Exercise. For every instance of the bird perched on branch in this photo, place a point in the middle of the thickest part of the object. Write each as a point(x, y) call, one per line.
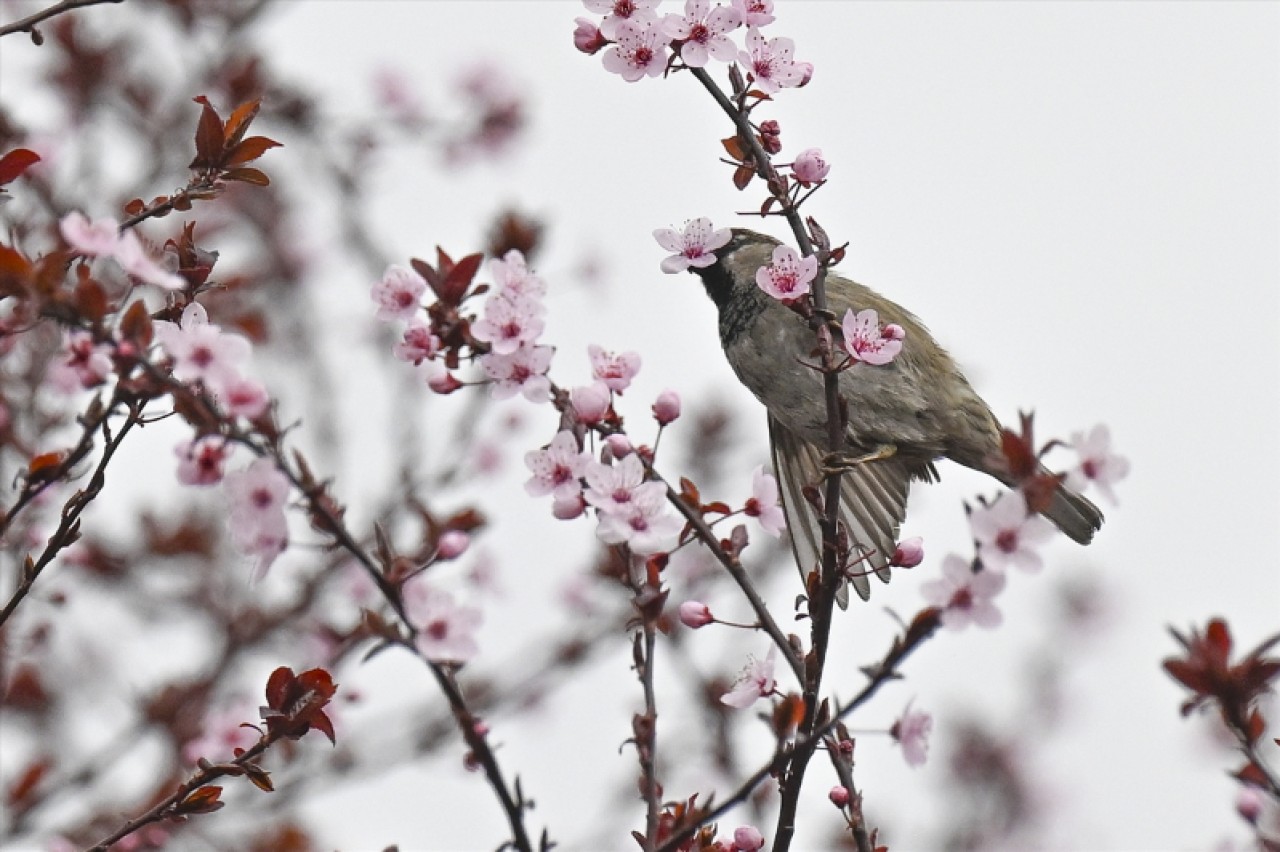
point(902, 415)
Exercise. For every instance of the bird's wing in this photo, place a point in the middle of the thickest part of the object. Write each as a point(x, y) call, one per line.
point(873, 503)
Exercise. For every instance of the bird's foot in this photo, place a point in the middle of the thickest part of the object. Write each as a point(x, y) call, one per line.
point(837, 463)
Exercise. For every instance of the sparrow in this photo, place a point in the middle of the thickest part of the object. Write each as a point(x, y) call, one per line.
point(902, 416)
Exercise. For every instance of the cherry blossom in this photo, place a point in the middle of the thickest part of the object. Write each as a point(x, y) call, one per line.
point(511, 276)
point(419, 343)
point(445, 630)
point(755, 13)
point(867, 341)
point(398, 293)
point(755, 682)
point(566, 507)
point(695, 614)
point(694, 246)
point(1007, 535)
point(810, 167)
point(763, 503)
point(911, 732)
point(770, 62)
point(701, 31)
point(86, 364)
point(242, 397)
point(612, 488)
point(909, 553)
point(95, 238)
point(260, 489)
point(133, 258)
point(666, 408)
point(587, 36)
point(200, 461)
point(221, 733)
point(615, 370)
point(1098, 465)
point(788, 276)
point(201, 351)
point(620, 12)
point(747, 838)
point(642, 523)
point(641, 50)
point(522, 371)
point(591, 402)
point(619, 445)
point(964, 596)
point(263, 538)
point(438, 377)
point(557, 469)
point(509, 322)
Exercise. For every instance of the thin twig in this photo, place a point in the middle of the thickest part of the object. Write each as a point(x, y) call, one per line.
point(28, 24)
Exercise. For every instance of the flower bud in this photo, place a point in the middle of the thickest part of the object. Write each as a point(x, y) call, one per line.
point(566, 507)
point(909, 553)
point(809, 166)
point(587, 36)
point(839, 796)
point(590, 402)
point(667, 407)
point(453, 544)
point(695, 614)
point(619, 445)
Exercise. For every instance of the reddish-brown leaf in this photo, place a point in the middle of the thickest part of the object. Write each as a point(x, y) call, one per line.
point(428, 273)
point(205, 800)
point(259, 776)
point(134, 207)
point(44, 466)
point(21, 789)
point(135, 325)
point(238, 122)
point(209, 136)
point(459, 277)
point(90, 300)
point(733, 146)
point(249, 150)
point(742, 176)
point(253, 176)
point(15, 163)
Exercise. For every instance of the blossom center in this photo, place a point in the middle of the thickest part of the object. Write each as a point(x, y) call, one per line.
point(1007, 541)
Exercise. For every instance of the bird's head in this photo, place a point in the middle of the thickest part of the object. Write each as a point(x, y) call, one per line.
point(734, 271)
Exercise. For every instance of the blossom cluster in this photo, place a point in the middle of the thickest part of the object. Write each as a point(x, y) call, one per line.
point(642, 44)
point(103, 238)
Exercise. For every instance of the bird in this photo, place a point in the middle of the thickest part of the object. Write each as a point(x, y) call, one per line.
point(902, 416)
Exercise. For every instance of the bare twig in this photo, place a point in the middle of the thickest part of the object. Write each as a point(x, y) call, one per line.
point(28, 24)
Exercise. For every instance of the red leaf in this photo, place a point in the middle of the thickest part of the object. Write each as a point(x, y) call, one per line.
point(135, 325)
point(209, 137)
point(459, 277)
point(15, 163)
point(324, 725)
point(742, 176)
point(733, 146)
point(202, 801)
point(277, 686)
point(249, 150)
point(238, 122)
point(253, 176)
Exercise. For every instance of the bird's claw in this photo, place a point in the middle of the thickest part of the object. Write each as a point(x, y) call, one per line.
point(838, 462)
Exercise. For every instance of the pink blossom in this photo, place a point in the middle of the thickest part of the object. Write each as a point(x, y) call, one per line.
point(1249, 803)
point(522, 371)
point(641, 50)
point(810, 167)
point(438, 377)
point(701, 30)
point(1098, 465)
point(133, 258)
point(769, 62)
point(806, 74)
point(908, 553)
point(452, 544)
point(86, 364)
point(221, 733)
point(511, 277)
point(619, 445)
point(865, 339)
point(755, 682)
point(695, 614)
point(557, 469)
point(96, 238)
point(839, 796)
point(241, 397)
point(398, 293)
point(258, 490)
point(763, 503)
point(666, 408)
point(567, 506)
point(200, 461)
point(615, 370)
point(747, 838)
point(788, 276)
point(394, 91)
point(965, 596)
point(612, 488)
point(912, 733)
point(445, 631)
point(694, 246)
point(591, 402)
point(587, 36)
point(619, 12)
point(419, 343)
point(509, 322)
point(643, 523)
point(756, 13)
point(263, 538)
point(1007, 535)
point(200, 350)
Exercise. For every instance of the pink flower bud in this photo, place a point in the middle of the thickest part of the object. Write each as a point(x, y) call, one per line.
point(909, 553)
point(619, 445)
point(809, 166)
point(839, 796)
point(566, 507)
point(453, 544)
point(695, 614)
point(806, 69)
point(587, 37)
point(441, 380)
point(590, 402)
point(747, 838)
point(1249, 803)
point(667, 407)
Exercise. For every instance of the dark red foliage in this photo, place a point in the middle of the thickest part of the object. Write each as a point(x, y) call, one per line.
point(295, 703)
point(1206, 670)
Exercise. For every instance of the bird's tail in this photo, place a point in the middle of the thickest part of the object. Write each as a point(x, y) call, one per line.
point(1074, 514)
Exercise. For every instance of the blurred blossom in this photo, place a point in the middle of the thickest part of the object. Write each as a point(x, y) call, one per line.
point(1007, 535)
point(200, 461)
point(445, 630)
point(558, 468)
point(418, 343)
point(1098, 466)
point(201, 351)
point(453, 544)
point(221, 733)
point(964, 596)
point(258, 525)
point(747, 838)
point(912, 733)
point(85, 364)
point(763, 503)
point(398, 293)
